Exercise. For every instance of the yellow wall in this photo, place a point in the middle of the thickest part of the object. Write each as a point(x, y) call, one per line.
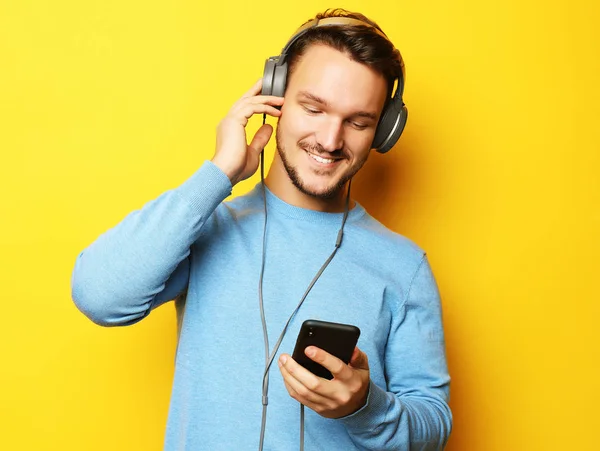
point(106, 104)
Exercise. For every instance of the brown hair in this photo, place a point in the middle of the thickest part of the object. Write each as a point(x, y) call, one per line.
point(360, 43)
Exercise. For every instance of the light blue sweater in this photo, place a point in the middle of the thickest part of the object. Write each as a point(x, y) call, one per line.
point(189, 239)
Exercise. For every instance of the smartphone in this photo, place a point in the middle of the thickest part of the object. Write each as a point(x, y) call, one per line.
point(335, 338)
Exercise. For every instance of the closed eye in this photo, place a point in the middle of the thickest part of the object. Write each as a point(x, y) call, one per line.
point(310, 110)
point(358, 126)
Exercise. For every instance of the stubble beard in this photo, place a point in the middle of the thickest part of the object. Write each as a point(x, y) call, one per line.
point(332, 191)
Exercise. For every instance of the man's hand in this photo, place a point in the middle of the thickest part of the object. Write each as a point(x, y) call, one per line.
point(233, 155)
point(344, 394)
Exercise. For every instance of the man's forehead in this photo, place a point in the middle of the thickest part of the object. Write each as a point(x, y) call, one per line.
point(326, 75)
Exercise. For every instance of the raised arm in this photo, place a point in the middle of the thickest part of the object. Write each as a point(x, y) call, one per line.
point(143, 261)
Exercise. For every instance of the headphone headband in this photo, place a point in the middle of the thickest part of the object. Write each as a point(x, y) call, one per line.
point(329, 21)
point(341, 21)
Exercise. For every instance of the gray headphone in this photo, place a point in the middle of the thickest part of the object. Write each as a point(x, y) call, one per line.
point(394, 115)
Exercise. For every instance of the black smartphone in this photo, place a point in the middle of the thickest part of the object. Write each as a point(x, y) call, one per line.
point(335, 338)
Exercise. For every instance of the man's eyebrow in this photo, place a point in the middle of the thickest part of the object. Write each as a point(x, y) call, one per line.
point(319, 100)
point(366, 115)
point(313, 97)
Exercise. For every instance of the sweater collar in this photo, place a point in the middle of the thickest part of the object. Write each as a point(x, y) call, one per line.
point(278, 206)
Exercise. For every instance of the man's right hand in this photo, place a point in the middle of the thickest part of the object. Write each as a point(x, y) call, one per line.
point(233, 155)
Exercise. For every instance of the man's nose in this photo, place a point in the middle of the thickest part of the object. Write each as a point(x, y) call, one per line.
point(331, 135)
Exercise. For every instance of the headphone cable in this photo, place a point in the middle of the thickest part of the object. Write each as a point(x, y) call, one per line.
point(269, 358)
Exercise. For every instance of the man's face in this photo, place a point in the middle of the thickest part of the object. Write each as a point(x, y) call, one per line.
point(331, 109)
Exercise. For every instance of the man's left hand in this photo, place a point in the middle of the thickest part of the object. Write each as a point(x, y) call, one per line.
point(343, 395)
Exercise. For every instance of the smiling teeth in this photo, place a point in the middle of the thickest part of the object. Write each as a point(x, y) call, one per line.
point(321, 160)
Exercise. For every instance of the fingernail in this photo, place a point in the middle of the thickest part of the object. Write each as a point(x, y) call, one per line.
point(282, 360)
point(310, 351)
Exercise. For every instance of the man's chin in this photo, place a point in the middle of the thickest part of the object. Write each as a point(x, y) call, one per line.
point(320, 186)
point(320, 190)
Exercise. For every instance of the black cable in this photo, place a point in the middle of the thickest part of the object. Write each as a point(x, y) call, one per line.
point(301, 427)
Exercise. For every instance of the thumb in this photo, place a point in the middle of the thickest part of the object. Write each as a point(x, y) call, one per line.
point(261, 138)
point(359, 360)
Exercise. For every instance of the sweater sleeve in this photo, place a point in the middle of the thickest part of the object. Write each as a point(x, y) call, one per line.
point(143, 261)
point(412, 412)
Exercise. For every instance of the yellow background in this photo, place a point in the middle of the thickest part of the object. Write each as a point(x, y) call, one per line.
point(106, 104)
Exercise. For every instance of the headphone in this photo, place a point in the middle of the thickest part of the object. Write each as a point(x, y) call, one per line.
point(394, 115)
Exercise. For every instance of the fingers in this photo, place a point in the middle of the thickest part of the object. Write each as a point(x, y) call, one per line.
point(253, 95)
point(261, 138)
point(301, 384)
point(254, 90)
point(245, 108)
point(256, 100)
point(233, 155)
point(343, 395)
point(338, 368)
point(272, 100)
point(252, 103)
point(247, 111)
point(299, 373)
point(359, 360)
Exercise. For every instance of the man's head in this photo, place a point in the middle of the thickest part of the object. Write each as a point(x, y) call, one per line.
point(339, 79)
point(364, 44)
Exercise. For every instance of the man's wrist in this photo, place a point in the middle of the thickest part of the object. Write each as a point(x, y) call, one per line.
point(226, 169)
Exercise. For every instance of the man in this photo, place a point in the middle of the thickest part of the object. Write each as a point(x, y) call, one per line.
point(211, 255)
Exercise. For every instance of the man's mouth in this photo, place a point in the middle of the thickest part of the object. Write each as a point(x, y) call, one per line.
point(321, 159)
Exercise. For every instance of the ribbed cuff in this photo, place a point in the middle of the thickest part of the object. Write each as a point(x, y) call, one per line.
point(372, 414)
point(206, 188)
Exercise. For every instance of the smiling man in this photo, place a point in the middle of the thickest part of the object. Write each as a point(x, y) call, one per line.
point(331, 112)
point(246, 273)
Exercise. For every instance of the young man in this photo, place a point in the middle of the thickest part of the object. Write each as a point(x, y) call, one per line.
point(231, 270)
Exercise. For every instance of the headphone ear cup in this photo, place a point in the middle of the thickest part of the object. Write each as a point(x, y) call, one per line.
point(390, 127)
point(279, 80)
point(274, 78)
point(268, 76)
